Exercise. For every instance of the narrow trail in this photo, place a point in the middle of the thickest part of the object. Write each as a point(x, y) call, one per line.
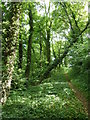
point(78, 94)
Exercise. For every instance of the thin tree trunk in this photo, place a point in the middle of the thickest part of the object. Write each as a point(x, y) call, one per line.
point(48, 52)
point(48, 44)
point(65, 60)
point(40, 49)
point(48, 47)
point(54, 54)
point(59, 53)
point(27, 71)
point(20, 52)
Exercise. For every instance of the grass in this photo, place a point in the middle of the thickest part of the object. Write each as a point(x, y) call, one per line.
point(51, 99)
point(80, 80)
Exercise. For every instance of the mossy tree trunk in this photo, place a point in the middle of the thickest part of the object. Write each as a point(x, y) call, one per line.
point(10, 49)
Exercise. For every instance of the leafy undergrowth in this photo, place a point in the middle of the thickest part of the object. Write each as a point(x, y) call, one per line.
point(81, 82)
point(51, 99)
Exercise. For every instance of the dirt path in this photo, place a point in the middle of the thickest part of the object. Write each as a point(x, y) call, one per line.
point(78, 94)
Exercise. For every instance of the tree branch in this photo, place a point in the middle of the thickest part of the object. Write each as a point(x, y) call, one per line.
point(59, 60)
point(64, 6)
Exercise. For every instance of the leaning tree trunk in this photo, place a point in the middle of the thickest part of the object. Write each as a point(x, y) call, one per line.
point(11, 44)
point(27, 71)
point(59, 60)
point(75, 39)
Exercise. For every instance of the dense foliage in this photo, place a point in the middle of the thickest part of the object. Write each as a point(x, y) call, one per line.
point(41, 43)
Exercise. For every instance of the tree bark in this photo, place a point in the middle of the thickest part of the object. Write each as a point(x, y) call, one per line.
point(40, 49)
point(48, 44)
point(27, 71)
point(48, 47)
point(54, 54)
point(59, 50)
point(11, 45)
point(48, 28)
point(20, 52)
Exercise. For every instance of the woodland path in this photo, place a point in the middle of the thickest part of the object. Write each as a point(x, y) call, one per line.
point(78, 94)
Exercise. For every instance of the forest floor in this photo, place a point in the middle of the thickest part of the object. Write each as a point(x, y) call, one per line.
point(54, 99)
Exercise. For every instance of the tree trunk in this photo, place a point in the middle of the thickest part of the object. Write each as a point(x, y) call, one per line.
point(48, 44)
point(40, 49)
point(6, 84)
point(59, 53)
point(48, 47)
point(11, 45)
point(54, 54)
point(27, 72)
point(52, 66)
point(48, 52)
point(20, 52)
point(65, 59)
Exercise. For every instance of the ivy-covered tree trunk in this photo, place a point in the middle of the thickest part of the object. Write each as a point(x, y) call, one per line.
point(11, 44)
point(27, 71)
point(20, 49)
